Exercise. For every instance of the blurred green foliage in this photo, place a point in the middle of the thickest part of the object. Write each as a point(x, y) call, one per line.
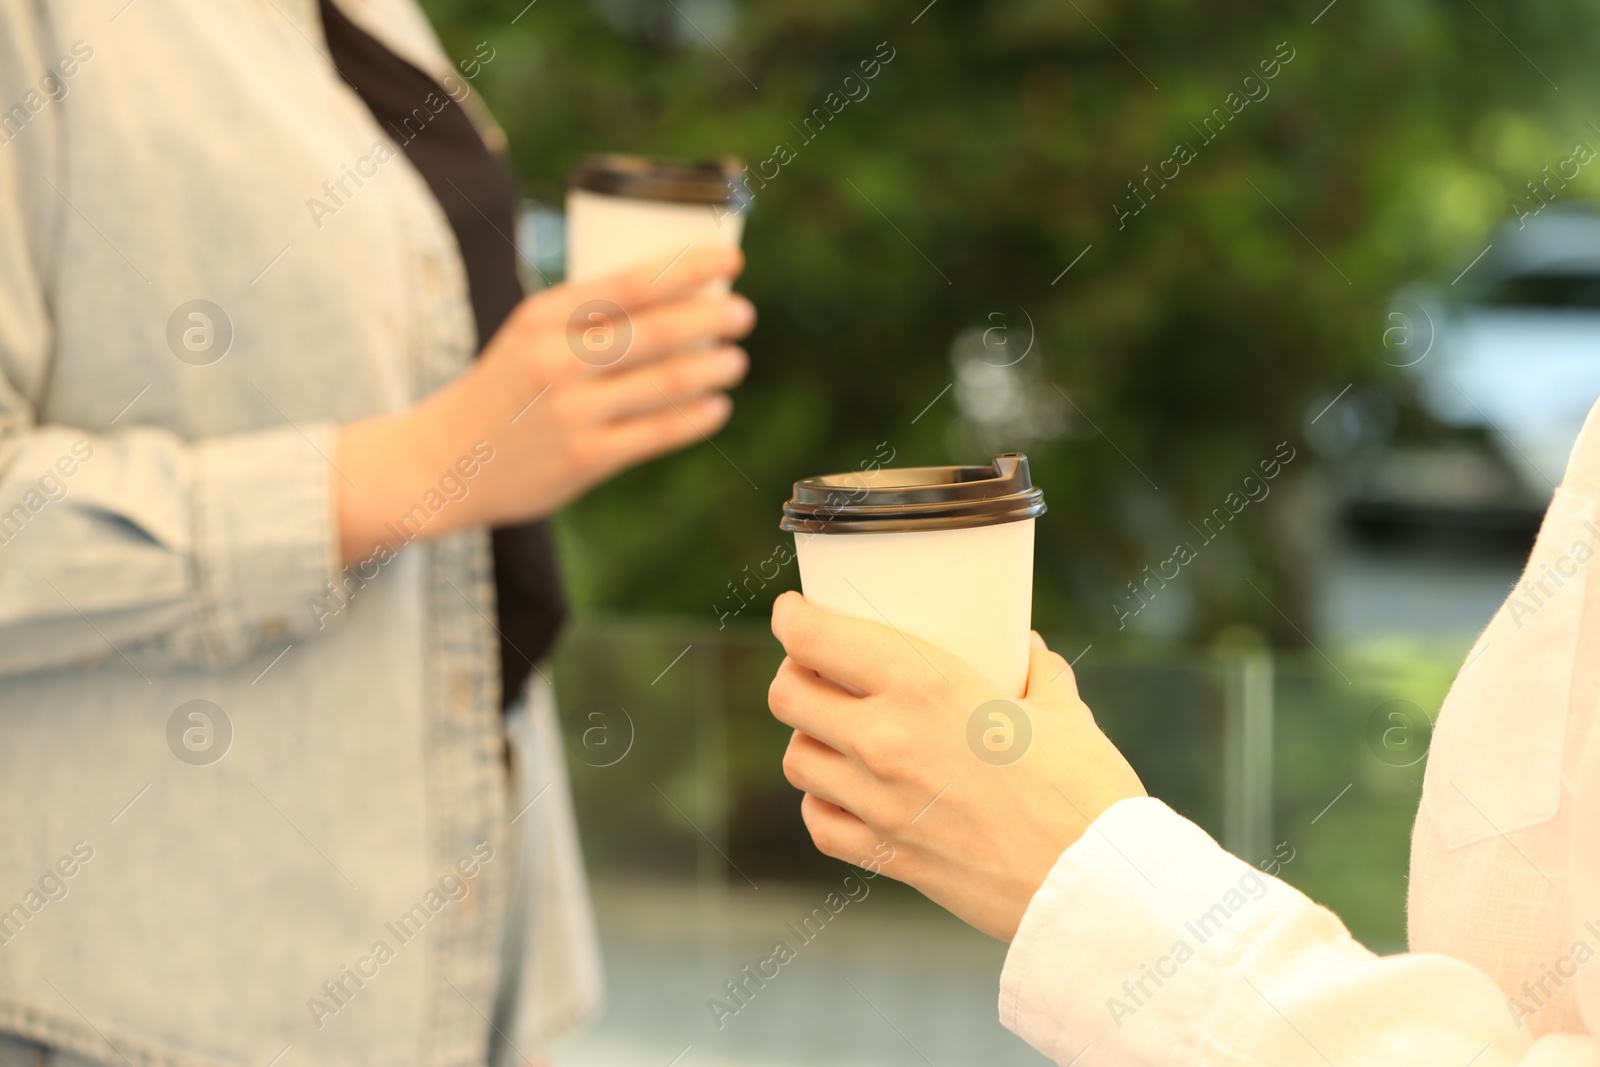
point(987, 155)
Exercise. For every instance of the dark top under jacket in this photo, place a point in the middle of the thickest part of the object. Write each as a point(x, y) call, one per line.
point(480, 198)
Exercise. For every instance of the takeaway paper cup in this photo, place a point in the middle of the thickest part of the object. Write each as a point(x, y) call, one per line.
point(623, 211)
point(941, 553)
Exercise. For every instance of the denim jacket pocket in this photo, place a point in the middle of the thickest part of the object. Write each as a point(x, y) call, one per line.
point(1496, 761)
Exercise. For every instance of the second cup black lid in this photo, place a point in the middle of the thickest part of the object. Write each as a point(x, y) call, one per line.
point(915, 498)
point(668, 180)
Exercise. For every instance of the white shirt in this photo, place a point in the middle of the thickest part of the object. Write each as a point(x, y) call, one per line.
point(1148, 944)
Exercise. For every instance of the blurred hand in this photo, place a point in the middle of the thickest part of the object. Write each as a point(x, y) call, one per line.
point(582, 381)
point(895, 765)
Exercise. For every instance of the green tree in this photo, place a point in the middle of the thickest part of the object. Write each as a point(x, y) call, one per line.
point(996, 147)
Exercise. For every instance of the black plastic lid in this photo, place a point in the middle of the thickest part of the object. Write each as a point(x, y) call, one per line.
point(915, 498)
point(668, 180)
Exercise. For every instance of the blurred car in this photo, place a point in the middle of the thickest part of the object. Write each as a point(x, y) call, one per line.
point(1503, 365)
point(1519, 355)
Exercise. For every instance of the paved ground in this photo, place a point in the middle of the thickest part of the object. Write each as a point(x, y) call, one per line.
point(888, 981)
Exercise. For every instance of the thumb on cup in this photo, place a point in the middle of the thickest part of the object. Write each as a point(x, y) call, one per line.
point(1050, 678)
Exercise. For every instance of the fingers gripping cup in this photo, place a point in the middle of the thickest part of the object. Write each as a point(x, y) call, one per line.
point(626, 210)
point(941, 553)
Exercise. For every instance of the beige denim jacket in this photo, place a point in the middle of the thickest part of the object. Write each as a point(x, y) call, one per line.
point(316, 859)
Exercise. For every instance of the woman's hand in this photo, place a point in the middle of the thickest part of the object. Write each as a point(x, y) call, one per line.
point(582, 381)
point(933, 760)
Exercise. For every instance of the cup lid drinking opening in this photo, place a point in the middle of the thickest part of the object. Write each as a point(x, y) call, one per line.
point(671, 181)
point(915, 498)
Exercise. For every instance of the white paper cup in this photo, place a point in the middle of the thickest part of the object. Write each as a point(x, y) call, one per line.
point(944, 554)
point(624, 211)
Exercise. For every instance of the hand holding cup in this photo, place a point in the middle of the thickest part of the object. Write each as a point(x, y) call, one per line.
point(933, 775)
point(582, 381)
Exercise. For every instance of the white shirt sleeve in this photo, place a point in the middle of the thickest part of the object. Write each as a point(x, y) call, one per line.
point(1149, 944)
